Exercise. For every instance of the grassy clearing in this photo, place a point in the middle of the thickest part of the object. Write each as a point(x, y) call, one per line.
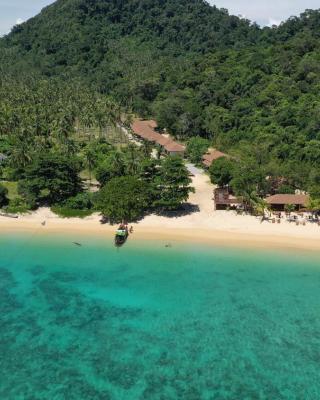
point(66, 212)
point(12, 189)
point(112, 134)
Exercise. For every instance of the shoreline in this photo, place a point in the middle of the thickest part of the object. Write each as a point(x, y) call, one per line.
point(166, 230)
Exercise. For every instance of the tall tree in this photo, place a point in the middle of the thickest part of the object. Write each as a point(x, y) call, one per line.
point(51, 178)
point(123, 199)
point(173, 184)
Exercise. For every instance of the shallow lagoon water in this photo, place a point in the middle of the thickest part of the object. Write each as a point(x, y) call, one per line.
point(149, 322)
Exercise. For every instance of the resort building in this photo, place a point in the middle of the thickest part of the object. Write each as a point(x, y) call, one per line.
point(278, 202)
point(211, 156)
point(146, 130)
point(223, 199)
point(174, 148)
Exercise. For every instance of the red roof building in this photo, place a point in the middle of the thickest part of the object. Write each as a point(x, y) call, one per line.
point(146, 130)
point(174, 147)
point(211, 156)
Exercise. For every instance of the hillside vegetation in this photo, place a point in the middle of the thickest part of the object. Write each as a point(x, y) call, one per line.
point(252, 92)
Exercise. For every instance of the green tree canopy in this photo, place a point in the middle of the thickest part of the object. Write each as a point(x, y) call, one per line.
point(172, 184)
point(222, 171)
point(196, 147)
point(51, 178)
point(111, 167)
point(123, 199)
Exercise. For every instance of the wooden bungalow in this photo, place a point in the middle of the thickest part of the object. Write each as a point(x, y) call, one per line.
point(223, 199)
point(278, 202)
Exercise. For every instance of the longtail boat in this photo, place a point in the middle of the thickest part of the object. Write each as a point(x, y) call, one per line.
point(121, 235)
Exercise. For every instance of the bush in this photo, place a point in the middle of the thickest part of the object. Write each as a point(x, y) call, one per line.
point(3, 196)
point(66, 212)
point(80, 206)
point(286, 189)
point(82, 201)
point(17, 206)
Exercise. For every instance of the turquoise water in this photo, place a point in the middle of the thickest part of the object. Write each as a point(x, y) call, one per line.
point(149, 322)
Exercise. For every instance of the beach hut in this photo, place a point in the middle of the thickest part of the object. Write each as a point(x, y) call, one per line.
point(278, 202)
point(224, 198)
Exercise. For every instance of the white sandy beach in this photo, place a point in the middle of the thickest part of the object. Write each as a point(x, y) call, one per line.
point(204, 225)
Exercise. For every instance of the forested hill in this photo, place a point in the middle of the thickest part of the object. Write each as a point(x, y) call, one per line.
point(69, 30)
point(199, 71)
point(124, 47)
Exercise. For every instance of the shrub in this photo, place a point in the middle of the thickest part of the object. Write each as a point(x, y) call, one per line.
point(18, 206)
point(66, 212)
point(80, 206)
point(3, 196)
point(82, 201)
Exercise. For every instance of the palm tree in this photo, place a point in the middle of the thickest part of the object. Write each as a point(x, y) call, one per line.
point(146, 149)
point(289, 208)
point(314, 205)
point(159, 151)
point(116, 158)
point(21, 153)
point(90, 160)
point(261, 206)
point(250, 200)
point(132, 159)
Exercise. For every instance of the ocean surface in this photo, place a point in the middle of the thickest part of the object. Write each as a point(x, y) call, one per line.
point(153, 322)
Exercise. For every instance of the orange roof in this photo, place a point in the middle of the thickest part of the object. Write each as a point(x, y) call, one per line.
point(163, 140)
point(296, 199)
point(145, 129)
point(172, 146)
point(153, 124)
point(212, 155)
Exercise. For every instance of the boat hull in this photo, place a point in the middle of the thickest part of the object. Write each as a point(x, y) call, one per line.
point(119, 240)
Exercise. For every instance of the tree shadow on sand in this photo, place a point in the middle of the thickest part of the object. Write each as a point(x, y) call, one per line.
point(185, 209)
point(105, 220)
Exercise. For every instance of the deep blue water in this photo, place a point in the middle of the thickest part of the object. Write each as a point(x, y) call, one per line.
point(149, 322)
